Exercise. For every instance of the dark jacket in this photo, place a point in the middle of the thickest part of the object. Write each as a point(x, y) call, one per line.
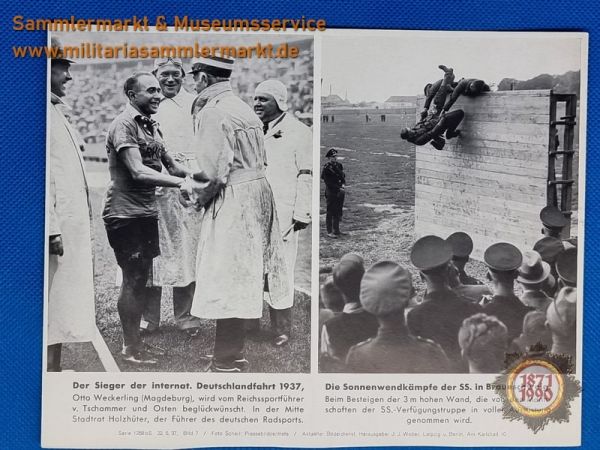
point(510, 311)
point(395, 351)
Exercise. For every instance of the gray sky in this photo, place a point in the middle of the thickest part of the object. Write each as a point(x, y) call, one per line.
point(376, 67)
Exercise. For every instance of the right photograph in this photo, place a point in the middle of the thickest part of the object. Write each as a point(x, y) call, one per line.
point(451, 205)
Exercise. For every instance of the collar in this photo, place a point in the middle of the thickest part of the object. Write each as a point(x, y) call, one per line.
point(352, 308)
point(132, 112)
point(178, 99)
point(213, 90)
point(56, 100)
point(273, 123)
point(438, 296)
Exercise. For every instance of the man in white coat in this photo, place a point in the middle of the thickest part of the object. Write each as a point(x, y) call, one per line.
point(288, 144)
point(179, 224)
point(71, 315)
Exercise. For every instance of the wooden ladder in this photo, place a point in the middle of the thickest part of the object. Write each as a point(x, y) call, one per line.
point(560, 189)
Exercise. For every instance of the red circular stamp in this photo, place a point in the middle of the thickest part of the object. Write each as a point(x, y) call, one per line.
point(535, 388)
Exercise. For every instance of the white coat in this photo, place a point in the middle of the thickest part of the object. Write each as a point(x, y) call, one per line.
point(288, 144)
point(71, 314)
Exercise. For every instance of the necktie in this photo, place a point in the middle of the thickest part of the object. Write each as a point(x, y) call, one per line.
point(265, 128)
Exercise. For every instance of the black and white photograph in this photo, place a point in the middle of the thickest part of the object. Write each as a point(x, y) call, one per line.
point(450, 217)
point(178, 209)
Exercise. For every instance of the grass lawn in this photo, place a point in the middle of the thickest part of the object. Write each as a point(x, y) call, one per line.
point(184, 354)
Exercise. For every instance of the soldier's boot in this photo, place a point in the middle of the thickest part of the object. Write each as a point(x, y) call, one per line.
point(438, 143)
point(452, 134)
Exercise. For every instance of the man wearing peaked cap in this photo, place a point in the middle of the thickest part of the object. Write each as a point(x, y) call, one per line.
point(355, 324)
point(561, 319)
point(533, 273)
point(240, 249)
point(442, 312)
point(462, 246)
point(553, 221)
point(566, 267)
point(70, 305)
point(385, 291)
point(335, 179)
point(503, 261)
point(549, 248)
point(471, 292)
point(288, 144)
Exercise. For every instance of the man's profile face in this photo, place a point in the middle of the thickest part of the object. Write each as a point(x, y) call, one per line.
point(59, 76)
point(266, 107)
point(170, 77)
point(147, 97)
point(201, 80)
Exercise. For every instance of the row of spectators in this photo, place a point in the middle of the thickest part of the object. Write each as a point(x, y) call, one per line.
point(96, 92)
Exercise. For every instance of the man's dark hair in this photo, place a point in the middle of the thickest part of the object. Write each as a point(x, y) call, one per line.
point(132, 83)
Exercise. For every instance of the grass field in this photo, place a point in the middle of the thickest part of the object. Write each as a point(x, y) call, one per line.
point(380, 194)
point(184, 354)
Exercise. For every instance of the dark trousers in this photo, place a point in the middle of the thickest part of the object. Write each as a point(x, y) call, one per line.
point(451, 122)
point(182, 303)
point(132, 299)
point(332, 223)
point(53, 358)
point(229, 340)
point(281, 322)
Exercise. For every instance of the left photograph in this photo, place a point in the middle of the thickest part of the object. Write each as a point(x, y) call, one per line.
point(178, 206)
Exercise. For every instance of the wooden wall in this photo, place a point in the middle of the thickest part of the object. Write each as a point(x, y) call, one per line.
point(491, 181)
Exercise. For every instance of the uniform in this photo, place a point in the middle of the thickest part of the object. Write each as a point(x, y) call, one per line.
point(439, 318)
point(510, 311)
point(352, 326)
point(395, 351)
point(334, 178)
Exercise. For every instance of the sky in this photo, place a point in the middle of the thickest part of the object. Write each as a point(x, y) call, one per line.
point(372, 68)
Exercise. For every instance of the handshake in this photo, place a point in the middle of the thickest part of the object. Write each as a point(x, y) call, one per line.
point(198, 189)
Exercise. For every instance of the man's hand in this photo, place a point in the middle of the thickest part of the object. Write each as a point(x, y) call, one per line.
point(56, 245)
point(299, 225)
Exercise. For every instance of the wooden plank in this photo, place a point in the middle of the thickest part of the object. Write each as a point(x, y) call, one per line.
point(487, 191)
point(463, 172)
point(520, 187)
point(488, 164)
point(520, 129)
point(511, 155)
point(486, 202)
point(501, 115)
point(444, 206)
point(480, 242)
point(499, 231)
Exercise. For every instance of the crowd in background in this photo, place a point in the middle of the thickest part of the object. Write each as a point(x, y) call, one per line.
point(95, 94)
point(372, 320)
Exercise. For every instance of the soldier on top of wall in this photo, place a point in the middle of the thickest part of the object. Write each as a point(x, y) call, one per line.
point(434, 123)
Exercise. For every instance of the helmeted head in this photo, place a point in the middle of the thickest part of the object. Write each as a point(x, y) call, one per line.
point(170, 74)
point(476, 87)
point(270, 100)
point(404, 133)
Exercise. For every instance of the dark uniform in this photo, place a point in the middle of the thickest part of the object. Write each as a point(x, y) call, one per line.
point(394, 351)
point(439, 318)
point(462, 246)
point(469, 87)
point(432, 127)
point(334, 178)
point(510, 311)
point(472, 292)
point(347, 329)
point(505, 258)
